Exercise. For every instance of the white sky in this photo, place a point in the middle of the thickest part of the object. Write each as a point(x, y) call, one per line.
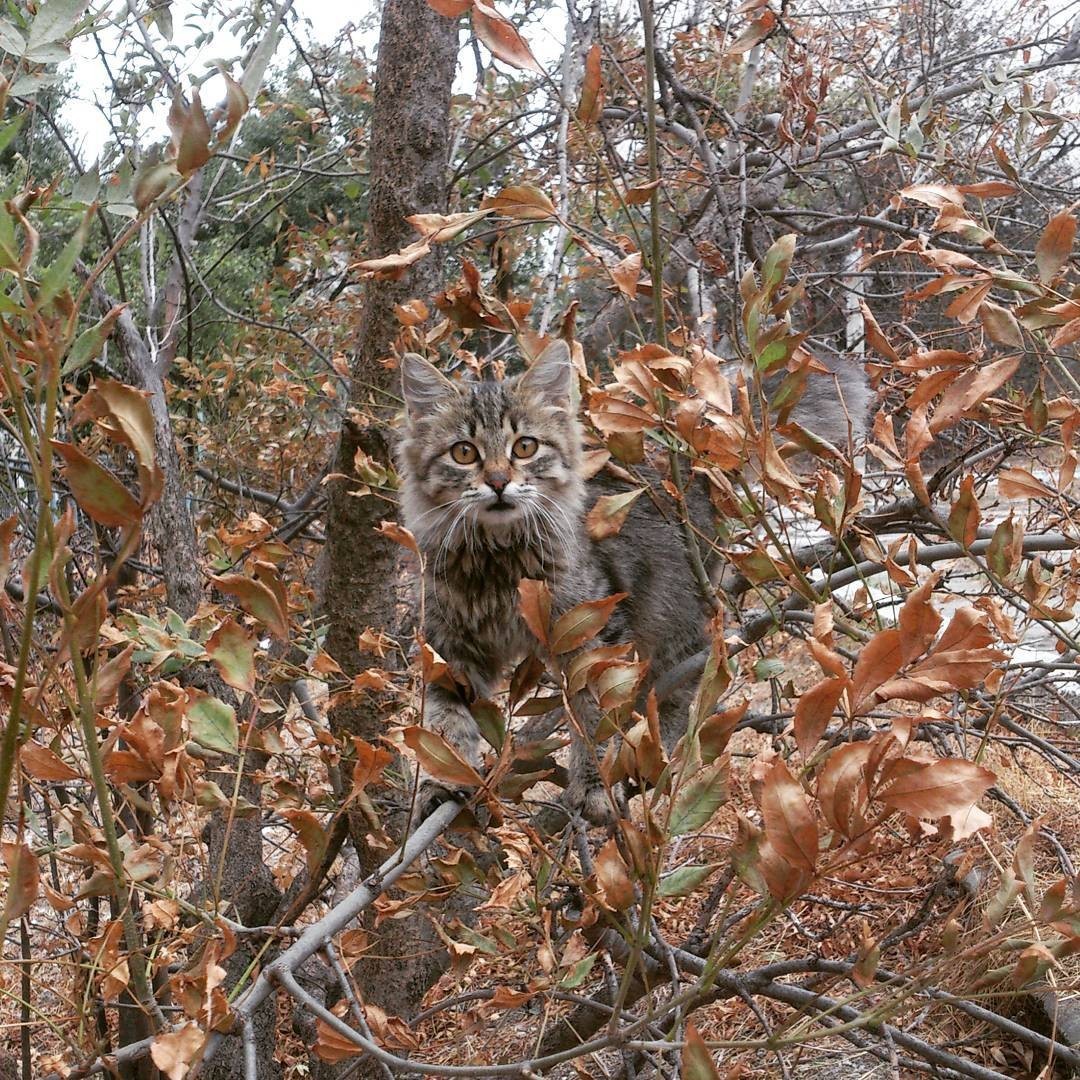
point(90, 81)
point(320, 22)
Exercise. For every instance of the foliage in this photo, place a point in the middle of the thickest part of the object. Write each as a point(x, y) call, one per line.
point(707, 213)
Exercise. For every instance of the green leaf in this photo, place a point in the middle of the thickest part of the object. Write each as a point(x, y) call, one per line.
point(699, 799)
point(232, 649)
point(87, 186)
point(212, 721)
point(89, 343)
point(29, 85)
point(768, 668)
point(685, 880)
point(152, 180)
point(11, 41)
point(578, 973)
point(778, 261)
point(51, 52)
point(491, 720)
point(776, 352)
point(10, 130)
point(55, 21)
point(59, 273)
point(161, 16)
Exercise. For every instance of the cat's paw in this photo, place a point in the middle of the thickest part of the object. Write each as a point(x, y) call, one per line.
point(432, 793)
point(590, 801)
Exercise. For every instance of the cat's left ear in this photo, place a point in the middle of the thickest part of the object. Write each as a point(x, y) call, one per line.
point(422, 385)
point(551, 377)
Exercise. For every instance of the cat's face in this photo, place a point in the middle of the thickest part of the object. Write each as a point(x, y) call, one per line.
point(493, 461)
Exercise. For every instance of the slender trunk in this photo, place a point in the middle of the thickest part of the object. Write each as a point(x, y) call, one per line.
point(409, 148)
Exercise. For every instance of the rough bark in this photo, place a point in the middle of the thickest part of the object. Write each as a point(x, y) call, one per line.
point(409, 151)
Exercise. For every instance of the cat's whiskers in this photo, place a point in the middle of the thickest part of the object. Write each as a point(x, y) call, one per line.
point(557, 542)
point(442, 554)
point(547, 557)
point(554, 506)
point(434, 509)
point(532, 526)
point(422, 532)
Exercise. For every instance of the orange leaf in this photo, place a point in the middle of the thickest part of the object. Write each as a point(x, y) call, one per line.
point(438, 228)
point(989, 189)
point(236, 104)
point(399, 534)
point(534, 602)
point(843, 787)
point(970, 389)
point(44, 764)
point(190, 134)
point(626, 273)
point(123, 413)
point(592, 91)
point(370, 762)
point(232, 650)
point(96, 490)
point(23, 880)
point(966, 305)
point(918, 621)
point(757, 31)
point(502, 39)
point(521, 201)
point(964, 515)
point(948, 786)
point(697, 1062)
point(611, 414)
point(613, 877)
point(879, 660)
point(641, 193)
point(438, 758)
point(109, 675)
point(581, 623)
point(391, 267)
point(1001, 324)
point(1054, 245)
point(174, 1052)
point(935, 195)
point(1067, 334)
point(789, 821)
point(451, 9)
point(609, 513)
point(1020, 484)
point(313, 836)
point(814, 711)
point(256, 599)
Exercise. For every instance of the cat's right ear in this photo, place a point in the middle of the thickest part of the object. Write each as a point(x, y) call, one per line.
point(422, 385)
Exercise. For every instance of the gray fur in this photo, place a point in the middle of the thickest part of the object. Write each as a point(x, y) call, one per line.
point(475, 554)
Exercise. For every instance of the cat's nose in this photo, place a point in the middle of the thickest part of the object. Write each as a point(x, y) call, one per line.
point(497, 480)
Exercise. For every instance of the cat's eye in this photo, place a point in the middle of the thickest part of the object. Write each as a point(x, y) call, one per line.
point(464, 453)
point(525, 447)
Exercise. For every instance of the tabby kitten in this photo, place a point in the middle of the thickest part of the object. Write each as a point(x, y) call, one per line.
point(492, 489)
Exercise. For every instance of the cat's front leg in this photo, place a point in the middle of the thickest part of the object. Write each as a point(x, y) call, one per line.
point(585, 794)
point(447, 714)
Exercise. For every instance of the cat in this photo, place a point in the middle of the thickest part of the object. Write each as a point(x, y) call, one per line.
point(493, 491)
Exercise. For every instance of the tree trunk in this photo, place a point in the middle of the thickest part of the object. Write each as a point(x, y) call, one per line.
point(409, 151)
